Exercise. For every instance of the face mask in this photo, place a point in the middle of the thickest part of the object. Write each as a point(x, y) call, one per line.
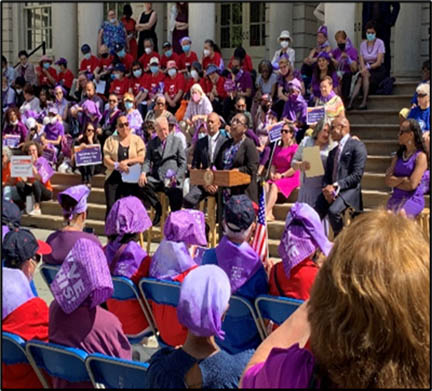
point(137, 73)
point(186, 48)
point(104, 55)
point(148, 50)
point(46, 120)
point(206, 52)
point(370, 36)
point(116, 76)
point(154, 69)
point(128, 105)
point(18, 91)
point(46, 65)
point(168, 53)
point(121, 53)
point(112, 76)
point(201, 135)
point(196, 97)
point(235, 70)
point(5, 89)
point(113, 20)
point(53, 120)
point(284, 44)
point(194, 74)
point(87, 56)
point(14, 123)
point(292, 97)
point(341, 46)
point(172, 72)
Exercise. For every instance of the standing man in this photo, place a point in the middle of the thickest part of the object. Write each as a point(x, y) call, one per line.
point(384, 14)
point(343, 175)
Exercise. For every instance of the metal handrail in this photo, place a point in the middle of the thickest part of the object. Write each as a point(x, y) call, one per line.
point(42, 45)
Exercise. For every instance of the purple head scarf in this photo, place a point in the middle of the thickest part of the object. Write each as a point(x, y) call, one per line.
point(295, 83)
point(187, 226)
point(128, 261)
point(324, 55)
point(323, 30)
point(79, 194)
point(204, 297)
point(16, 290)
point(170, 260)
point(83, 278)
point(127, 216)
point(303, 234)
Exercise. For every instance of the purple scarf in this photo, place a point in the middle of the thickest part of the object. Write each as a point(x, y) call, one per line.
point(128, 261)
point(327, 98)
point(229, 155)
point(238, 262)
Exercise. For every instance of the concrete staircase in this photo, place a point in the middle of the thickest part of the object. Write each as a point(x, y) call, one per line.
point(377, 127)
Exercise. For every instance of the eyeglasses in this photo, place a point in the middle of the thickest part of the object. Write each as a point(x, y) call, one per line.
point(421, 95)
point(236, 121)
point(124, 124)
point(160, 103)
point(112, 100)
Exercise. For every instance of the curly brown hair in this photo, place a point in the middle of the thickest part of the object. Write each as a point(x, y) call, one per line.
point(369, 308)
point(26, 146)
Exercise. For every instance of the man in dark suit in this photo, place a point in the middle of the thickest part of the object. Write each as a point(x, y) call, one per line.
point(164, 169)
point(205, 152)
point(343, 174)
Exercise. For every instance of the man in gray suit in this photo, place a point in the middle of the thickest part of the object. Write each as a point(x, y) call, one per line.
point(164, 169)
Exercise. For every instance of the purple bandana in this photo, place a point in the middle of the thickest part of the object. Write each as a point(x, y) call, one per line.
point(83, 278)
point(44, 169)
point(187, 226)
point(79, 194)
point(170, 260)
point(303, 234)
point(323, 30)
point(204, 298)
point(128, 261)
point(238, 262)
point(5, 230)
point(327, 98)
point(16, 290)
point(127, 216)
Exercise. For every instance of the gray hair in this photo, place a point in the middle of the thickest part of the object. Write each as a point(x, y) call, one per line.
point(423, 88)
point(240, 236)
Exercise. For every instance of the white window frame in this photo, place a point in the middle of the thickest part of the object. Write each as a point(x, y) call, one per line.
point(44, 32)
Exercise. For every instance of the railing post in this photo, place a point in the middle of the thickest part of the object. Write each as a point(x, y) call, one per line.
point(43, 48)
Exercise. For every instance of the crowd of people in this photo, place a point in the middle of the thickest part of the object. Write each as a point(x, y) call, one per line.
point(155, 115)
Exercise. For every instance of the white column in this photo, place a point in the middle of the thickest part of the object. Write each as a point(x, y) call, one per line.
point(64, 33)
point(90, 18)
point(202, 18)
point(340, 16)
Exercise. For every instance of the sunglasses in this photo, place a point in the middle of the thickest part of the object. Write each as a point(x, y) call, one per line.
point(287, 131)
point(124, 124)
point(90, 130)
point(421, 95)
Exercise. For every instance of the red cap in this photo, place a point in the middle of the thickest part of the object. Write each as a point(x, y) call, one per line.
point(44, 248)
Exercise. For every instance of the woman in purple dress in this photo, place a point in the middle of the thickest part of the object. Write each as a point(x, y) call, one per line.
point(283, 178)
point(181, 28)
point(408, 173)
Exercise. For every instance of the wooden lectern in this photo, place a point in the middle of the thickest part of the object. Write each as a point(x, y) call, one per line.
point(221, 178)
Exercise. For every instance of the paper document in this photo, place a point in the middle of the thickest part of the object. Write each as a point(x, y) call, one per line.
point(313, 156)
point(100, 87)
point(133, 175)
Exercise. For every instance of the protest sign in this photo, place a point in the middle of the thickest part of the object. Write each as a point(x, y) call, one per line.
point(21, 166)
point(11, 140)
point(88, 155)
point(44, 169)
point(315, 114)
point(274, 133)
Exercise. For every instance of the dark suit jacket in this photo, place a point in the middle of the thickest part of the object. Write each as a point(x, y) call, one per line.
point(387, 17)
point(350, 169)
point(201, 156)
point(158, 160)
point(246, 160)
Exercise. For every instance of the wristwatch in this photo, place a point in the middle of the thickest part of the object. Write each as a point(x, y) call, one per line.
point(337, 188)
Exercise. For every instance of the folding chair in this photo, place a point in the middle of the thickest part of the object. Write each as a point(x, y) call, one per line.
point(125, 289)
point(13, 349)
point(275, 308)
point(49, 272)
point(60, 361)
point(115, 372)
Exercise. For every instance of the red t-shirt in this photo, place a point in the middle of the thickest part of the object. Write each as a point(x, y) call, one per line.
point(43, 79)
point(247, 63)
point(185, 62)
point(145, 58)
point(65, 78)
point(119, 87)
point(127, 61)
point(164, 60)
point(191, 81)
point(105, 63)
point(219, 87)
point(153, 81)
point(136, 84)
point(89, 65)
point(173, 86)
point(206, 61)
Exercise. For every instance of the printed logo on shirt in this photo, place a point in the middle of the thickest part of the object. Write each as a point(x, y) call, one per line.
point(71, 284)
point(422, 124)
point(88, 68)
point(117, 90)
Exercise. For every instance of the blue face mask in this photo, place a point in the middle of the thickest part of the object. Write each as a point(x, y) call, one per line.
point(168, 53)
point(186, 48)
point(112, 76)
point(116, 75)
point(121, 53)
point(370, 36)
point(112, 20)
point(128, 105)
point(87, 56)
point(46, 65)
point(154, 69)
point(137, 73)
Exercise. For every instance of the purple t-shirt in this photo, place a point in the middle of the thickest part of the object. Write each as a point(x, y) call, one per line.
point(19, 129)
point(243, 81)
point(344, 64)
point(369, 54)
point(53, 131)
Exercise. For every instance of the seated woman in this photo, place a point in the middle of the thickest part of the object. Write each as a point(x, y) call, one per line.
point(126, 219)
point(132, 114)
point(215, 88)
point(244, 269)
point(53, 131)
point(159, 110)
point(372, 70)
point(199, 106)
point(340, 329)
point(332, 103)
point(23, 314)
point(76, 318)
point(283, 178)
point(31, 101)
point(109, 119)
point(196, 75)
point(324, 67)
point(295, 108)
point(285, 41)
point(61, 103)
point(408, 173)
point(173, 261)
point(266, 81)
point(421, 112)
point(302, 239)
point(13, 126)
point(199, 363)
point(73, 202)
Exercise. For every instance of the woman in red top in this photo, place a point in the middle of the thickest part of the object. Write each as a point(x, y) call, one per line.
point(168, 55)
point(137, 81)
point(196, 76)
point(302, 238)
point(188, 57)
point(104, 68)
point(89, 62)
point(155, 80)
point(129, 25)
point(120, 85)
point(211, 55)
point(246, 61)
point(47, 75)
point(65, 76)
point(148, 54)
point(174, 87)
point(214, 88)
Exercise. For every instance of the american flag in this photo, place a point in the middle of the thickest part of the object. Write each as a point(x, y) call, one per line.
point(260, 240)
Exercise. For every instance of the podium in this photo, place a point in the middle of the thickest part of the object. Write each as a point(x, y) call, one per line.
point(220, 178)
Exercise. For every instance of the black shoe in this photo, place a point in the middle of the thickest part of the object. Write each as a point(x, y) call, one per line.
point(157, 216)
point(362, 107)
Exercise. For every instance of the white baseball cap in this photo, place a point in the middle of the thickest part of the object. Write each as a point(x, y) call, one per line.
point(154, 60)
point(30, 123)
point(285, 34)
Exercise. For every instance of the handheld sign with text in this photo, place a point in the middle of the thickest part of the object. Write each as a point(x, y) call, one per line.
point(44, 169)
point(315, 114)
point(21, 166)
point(89, 155)
point(11, 140)
point(275, 132)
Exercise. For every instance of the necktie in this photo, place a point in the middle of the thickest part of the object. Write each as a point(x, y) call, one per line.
point(336, 163)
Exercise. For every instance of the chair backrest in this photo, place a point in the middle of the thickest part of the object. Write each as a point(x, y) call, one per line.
point(13, 349)
point(60, 361)
point(115, 372)
point(161, 292)
point(275, 308)
point(49, 272)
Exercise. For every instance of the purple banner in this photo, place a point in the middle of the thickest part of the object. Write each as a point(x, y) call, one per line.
point(275, 132)
point(88, 156)
point(11, 140)
point(49, 154)
point(44, 169)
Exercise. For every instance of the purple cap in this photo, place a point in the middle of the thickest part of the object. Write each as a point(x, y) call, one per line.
point(127, 216)
point(187, 226)
point(295, 83)
point(90, 107)
point(16, 290)
point(80, 194)
point(83, 278)
point(324, 55)
point(204, 298)
point(61, 61)
point(323, 30)
point(302, 235)
point(170, 260)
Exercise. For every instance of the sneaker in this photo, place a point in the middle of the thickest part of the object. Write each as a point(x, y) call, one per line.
point(35, 212)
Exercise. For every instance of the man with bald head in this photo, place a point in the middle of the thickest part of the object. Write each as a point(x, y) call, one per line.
point(343, 175)
point(205, 152)
point(164, 169)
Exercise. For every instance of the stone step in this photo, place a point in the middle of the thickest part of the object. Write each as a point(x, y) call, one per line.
point(405, 87)
point(74, 179)
point(381, 147)
point(97, 195)
point(374, 181)
point(377, 163)
point(375, 117)
point(94, 211)
point(377, 132)
point(388, 101)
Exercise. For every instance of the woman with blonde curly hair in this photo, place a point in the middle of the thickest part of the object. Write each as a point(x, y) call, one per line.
point(367, 322)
